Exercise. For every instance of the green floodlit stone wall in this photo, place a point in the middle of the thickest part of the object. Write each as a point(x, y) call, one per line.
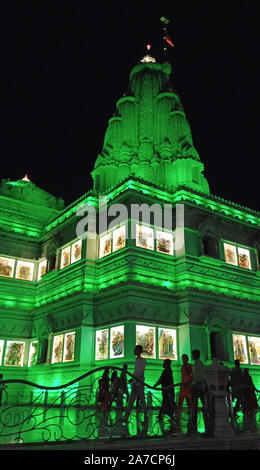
point(213, 204)
point(25, 208)
point(219, 279)
point(147, 156)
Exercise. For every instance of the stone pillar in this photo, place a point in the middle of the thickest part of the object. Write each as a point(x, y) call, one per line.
point(216, 376)
point(184, 340)
point(179, 234)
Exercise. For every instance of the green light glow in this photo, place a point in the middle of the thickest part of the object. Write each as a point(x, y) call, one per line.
point(148, 157)
point(213, 203)
point(21, 229)
point(71, 210)
point(149, 136)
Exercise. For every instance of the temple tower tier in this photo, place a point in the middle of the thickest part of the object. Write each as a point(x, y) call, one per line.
point(149, 136)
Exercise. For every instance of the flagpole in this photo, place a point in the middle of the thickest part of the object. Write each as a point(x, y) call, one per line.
point(165, 49)
point(166, 38)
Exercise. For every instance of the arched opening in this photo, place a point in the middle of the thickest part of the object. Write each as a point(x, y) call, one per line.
point(218, 346)
point(43, 349)
point(210, 246)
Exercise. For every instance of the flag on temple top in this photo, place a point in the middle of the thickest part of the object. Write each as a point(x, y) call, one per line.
point(168, 40)
point(164, 20)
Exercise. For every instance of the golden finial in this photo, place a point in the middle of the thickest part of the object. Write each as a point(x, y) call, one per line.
point(25, 178)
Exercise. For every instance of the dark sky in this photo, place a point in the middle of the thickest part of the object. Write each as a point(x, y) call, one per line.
point(65, 64)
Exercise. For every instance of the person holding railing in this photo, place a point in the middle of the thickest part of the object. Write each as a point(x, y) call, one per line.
point(250, 404)
point(185, 389)
point(116, 394)
point(236, 383)
point(123, 382)
point(168, 406)
point(104, 392)
point(198, 391)
point(137, 385)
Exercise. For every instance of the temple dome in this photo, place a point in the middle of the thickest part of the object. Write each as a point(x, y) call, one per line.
point(149, 136)
point(26, 191)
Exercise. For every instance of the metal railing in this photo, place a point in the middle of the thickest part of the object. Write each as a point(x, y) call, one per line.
point(32, 413)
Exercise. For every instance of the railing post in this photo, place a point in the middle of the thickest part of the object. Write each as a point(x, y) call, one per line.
point(45, 404)
point(78, 406)
point(97, 398)
point(62, 406)
point(149, 400)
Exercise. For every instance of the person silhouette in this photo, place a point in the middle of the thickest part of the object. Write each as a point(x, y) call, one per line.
point(123, 382)
point(116, 394)
point(168, 397)
point(185, 389)
point(198, 391)
point(137, 385)
point(104, 392)
point(236, 383)
point(250, 404)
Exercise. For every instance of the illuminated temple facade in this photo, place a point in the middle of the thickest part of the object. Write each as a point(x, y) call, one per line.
point(69, 303)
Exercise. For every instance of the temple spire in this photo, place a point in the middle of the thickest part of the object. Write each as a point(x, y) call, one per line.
point(149, 136)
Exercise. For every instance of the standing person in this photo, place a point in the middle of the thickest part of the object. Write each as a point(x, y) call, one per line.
point(115, 386)
point(250, 404)
point(116, 392)
point(168, 397)
point(185, 390)
point(123, 382)
point(104, 393)
point(137, 387)
point(198, 390)
point(236, 382)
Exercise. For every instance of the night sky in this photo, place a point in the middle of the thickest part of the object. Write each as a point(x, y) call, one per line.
point(65, 64)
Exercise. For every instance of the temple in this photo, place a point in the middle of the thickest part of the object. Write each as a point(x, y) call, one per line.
point(185, 277)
